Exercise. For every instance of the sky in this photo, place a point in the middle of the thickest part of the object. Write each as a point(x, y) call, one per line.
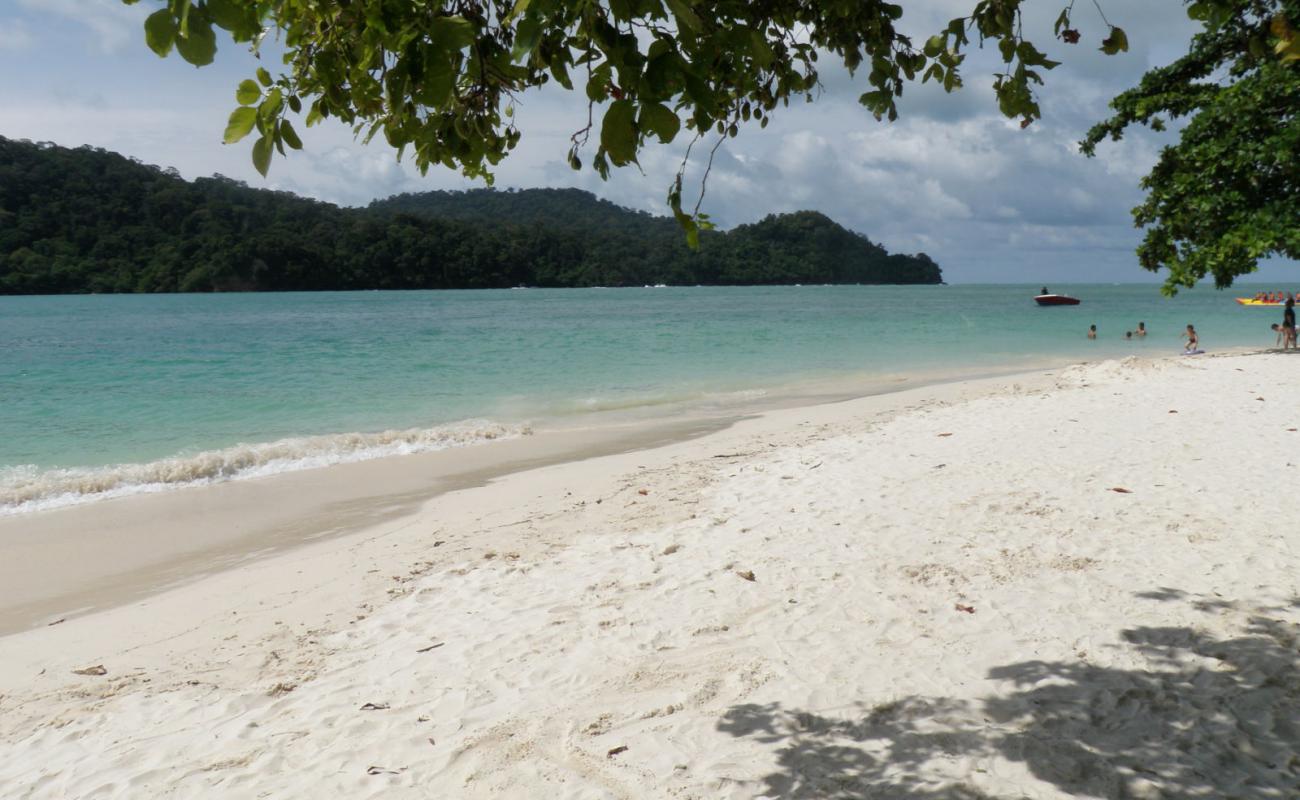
point(990, 202)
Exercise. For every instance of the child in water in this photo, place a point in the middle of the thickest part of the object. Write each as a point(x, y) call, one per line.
point(1193, 341)
point(1141, 331)
point(1092, 331)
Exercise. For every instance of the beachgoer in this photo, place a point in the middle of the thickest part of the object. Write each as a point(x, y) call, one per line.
point(1128, 334)
point(1142, 330)
point(1193, 341)
point(1278, 330)
point(1092, 331)
point(1288, 324)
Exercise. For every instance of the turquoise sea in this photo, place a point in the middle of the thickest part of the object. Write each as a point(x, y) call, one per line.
point(106, 395)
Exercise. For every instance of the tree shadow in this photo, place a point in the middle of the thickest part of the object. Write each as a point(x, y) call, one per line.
point(1204, 717)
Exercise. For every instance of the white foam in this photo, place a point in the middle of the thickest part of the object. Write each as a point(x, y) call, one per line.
point(27, 488)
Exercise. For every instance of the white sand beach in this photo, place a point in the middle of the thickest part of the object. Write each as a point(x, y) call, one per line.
point(1076, 583)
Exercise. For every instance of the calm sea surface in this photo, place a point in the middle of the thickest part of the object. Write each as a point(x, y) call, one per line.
point(104, 395)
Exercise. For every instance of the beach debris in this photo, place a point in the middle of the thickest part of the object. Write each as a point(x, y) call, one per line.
point(670, 549)
point(281, 689)
point(374, 707)
point(643, 491)
point(945, 434)
point(965, 608)
point(747, 575)
point(373, 770)
point(1173, 411)
point(1259, 398)
point(1121, 490)
point(98, 669)
point(432, 742)
point(433, 646)
point(440, 543)
point(61, 620)
point(613, 751)
point(939, 466)
point(1290, 429)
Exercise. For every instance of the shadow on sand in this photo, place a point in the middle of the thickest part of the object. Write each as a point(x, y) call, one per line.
point(1206, 718)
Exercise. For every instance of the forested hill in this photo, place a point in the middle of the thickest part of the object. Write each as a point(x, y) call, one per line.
point(558, 208)
point(87, 220)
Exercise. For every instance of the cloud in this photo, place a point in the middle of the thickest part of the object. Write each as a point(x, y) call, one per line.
point(15, 36)
point(113, 24)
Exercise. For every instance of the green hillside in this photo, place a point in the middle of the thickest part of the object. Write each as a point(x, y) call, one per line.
point(87, 220)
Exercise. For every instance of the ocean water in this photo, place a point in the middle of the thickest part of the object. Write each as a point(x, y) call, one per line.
point(107, 395)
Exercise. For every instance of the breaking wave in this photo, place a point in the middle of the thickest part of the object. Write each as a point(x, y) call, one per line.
point(29, 488)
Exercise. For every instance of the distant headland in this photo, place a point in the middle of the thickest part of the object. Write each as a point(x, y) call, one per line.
point(86, 220)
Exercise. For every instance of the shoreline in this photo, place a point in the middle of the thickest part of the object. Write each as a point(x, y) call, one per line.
point(766, 610)
point(125, 557)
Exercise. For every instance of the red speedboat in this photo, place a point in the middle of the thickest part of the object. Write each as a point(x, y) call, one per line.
point(1056, 300)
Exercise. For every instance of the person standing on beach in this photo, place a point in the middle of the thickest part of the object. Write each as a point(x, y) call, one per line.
point(1288, 325)
point(1193, 341)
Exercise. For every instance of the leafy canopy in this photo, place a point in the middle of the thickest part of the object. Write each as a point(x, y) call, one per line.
point(440, 77)
point(1228, 192)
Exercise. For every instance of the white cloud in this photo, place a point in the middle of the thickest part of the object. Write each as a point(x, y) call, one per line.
point(15, 36)
point(113, 24)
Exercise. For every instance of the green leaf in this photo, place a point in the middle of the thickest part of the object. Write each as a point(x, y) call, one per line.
point(561, 73)
point(1062, 22)
point(686, 17)
point(453, 33)
point(439, 78)
point(272, 104)
point(160, 32)
point(236, 17)
point(618, 132)
point(263, 76)
point(761, 50)
point(262, 155)
point(248, 93)
point(1115, 43)
point(289, 135)
point(527, 35)
point(934, 46)
point(520, 7)
point(240, 124)
point(200, 46)
point(661, 120)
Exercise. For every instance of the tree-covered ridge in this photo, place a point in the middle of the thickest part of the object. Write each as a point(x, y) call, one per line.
point(87, 220)
point(557, 208)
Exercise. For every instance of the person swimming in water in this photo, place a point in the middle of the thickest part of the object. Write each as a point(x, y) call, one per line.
point(1092, 331)
point(1141, 331)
